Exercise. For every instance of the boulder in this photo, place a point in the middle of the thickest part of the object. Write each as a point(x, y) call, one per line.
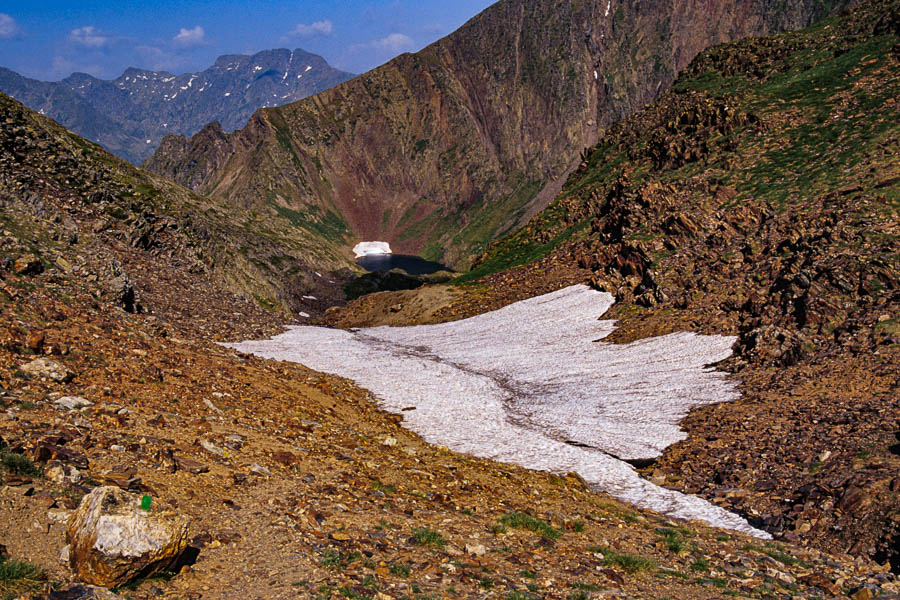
point(27, 264)
point(114, 541)
point(123, 293)
point(48, 369)
point(72, 403)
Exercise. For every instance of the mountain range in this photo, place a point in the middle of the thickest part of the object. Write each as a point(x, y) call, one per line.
point(129, 115)
point(757, 196)
point(441, 151)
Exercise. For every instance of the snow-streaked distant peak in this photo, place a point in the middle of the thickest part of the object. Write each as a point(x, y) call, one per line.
point(533, 384)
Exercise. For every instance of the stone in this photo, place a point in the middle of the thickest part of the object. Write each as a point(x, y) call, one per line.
point(866, 592)
point(284, 457)
point(35, 341)
point(114, 541)
point(260, 470)
point(48, 368)
point(27, 264)
point(476, 549)
point(72, 403)
point(123, 293)
point(192, 466)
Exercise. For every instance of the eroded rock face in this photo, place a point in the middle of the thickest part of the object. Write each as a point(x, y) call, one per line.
point(113, 541)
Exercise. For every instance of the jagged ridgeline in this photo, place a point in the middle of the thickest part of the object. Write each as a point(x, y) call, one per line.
point(441, 151)
point(129, 115)
point(53, 181)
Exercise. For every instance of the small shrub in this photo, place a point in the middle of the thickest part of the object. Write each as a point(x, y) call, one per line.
point(630, 563)
point(17, 576)
point(333, 558)
point(400, 570)
point(672, 573)
point(427, 537)
point(585, 587)
point(700, 565)
point(672, 539)
point(18, 464)
point(520, 520)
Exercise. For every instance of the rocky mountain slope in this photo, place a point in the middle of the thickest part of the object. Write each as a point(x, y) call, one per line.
point(103, 204)
point(294, 483)
point(129, 115)
point(441, 151)
point(759, 198)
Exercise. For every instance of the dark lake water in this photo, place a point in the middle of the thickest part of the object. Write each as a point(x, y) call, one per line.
point(414, 265)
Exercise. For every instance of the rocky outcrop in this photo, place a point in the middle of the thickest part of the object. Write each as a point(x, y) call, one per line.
point(440, 151)
point(757, 199)
point(113, 539)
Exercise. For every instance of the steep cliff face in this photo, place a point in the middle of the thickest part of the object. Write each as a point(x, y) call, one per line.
point(441, 151)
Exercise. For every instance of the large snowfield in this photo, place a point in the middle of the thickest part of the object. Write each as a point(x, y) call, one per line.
point(533, 384)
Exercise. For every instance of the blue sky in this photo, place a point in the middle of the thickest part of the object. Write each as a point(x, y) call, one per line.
point(51, 39)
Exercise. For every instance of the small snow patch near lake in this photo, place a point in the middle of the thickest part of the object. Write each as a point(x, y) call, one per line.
point(533, 384)
point(367, 248)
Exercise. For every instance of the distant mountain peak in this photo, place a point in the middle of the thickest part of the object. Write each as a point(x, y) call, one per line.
point(122, 114)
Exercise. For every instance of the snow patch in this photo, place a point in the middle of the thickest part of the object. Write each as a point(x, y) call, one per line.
point(308, 68)
point(309, 298)
point(227, 94)
point(303, 314)
point(367, 248)
point(533, 384)
point(608, 4)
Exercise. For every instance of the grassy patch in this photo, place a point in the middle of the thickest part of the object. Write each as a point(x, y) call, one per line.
point(428, 537)
point(18, 464)
point(673, 539)
point(520, 520)
point(630, 563)
point(19, 577)
point(785, 559)
point(335, 559)
point(700, 565)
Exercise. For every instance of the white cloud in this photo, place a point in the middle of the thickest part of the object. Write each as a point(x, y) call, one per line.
point(190, 38)
point(158, 59)
point(8, 27)
point(318, 28)
point(395, 42)
point(89, 36)
point(63, 67)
